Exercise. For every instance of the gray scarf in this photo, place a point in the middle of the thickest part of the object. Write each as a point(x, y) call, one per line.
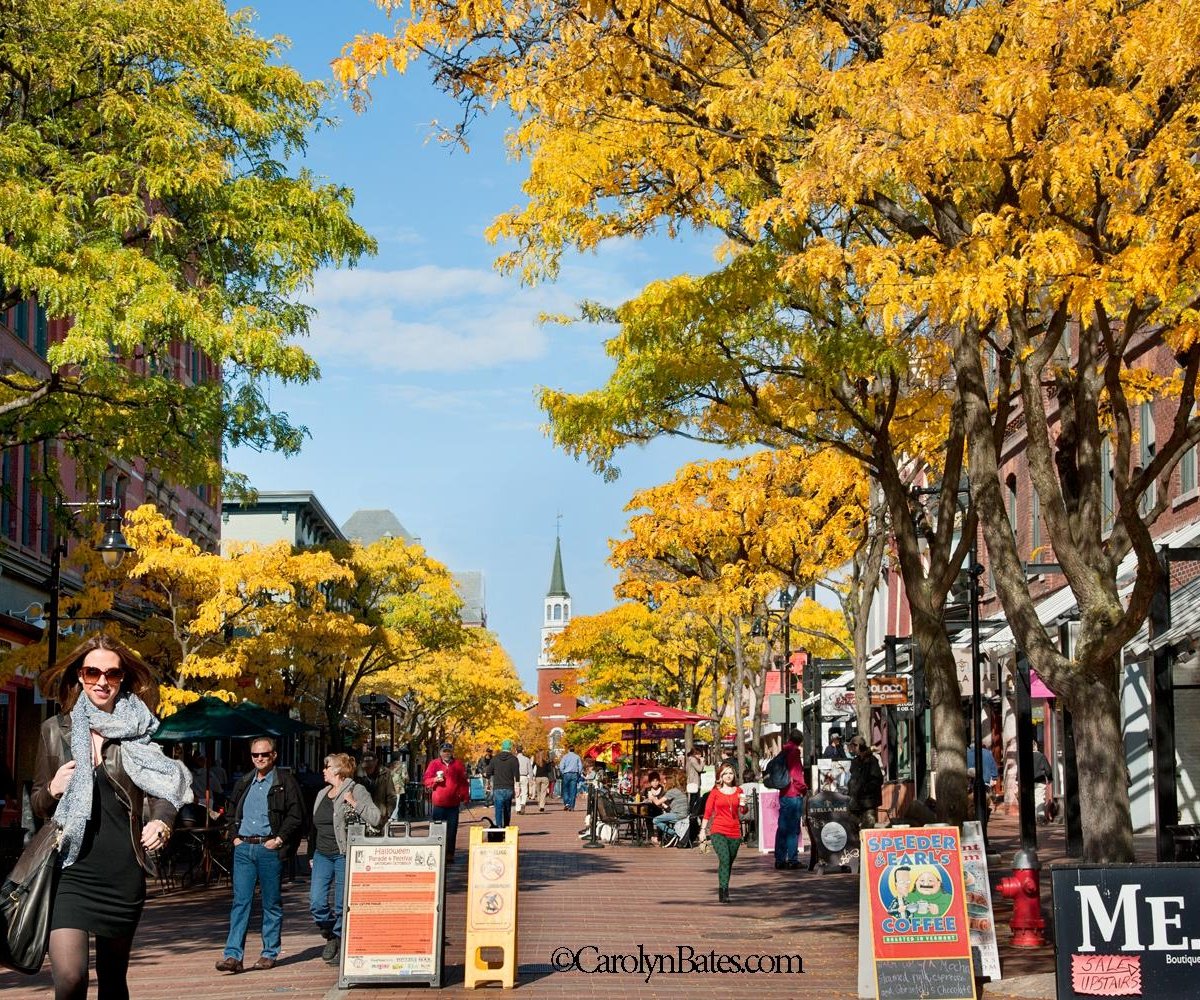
point(148, 767)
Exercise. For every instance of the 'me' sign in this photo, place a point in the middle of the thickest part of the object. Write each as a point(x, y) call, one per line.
point(1127, 930)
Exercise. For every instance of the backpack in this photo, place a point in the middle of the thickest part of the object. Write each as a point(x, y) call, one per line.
point(777, 774)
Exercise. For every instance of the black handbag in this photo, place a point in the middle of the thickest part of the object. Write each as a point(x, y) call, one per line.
point(27, 900)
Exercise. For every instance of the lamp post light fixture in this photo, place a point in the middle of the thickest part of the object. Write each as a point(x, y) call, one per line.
point(785, 599)
point(112, 549)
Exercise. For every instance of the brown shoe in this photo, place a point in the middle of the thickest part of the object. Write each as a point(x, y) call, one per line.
point(264, 963)
point(228, 964)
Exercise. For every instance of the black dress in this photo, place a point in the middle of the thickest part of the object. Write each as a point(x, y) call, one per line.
point(104, 890)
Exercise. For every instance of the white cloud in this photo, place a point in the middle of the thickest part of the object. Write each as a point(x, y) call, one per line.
point(426, 319)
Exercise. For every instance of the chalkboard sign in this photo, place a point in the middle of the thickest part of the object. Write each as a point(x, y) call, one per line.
point(932, 979)
point(1127, 930)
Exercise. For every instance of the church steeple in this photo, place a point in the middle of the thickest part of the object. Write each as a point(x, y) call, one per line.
point(556, 606)
point(558, 585)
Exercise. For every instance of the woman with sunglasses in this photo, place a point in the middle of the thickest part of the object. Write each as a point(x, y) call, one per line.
point(96, 770)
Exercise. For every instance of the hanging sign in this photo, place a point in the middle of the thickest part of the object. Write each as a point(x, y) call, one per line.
point(889, 689)
point(1127, 930)
point(913, 898)
point(837, 701)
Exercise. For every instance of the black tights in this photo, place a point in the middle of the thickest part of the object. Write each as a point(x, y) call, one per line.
point(69, 962)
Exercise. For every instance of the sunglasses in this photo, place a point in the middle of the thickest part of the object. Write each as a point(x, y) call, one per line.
point(267, 753)
point(92, 675)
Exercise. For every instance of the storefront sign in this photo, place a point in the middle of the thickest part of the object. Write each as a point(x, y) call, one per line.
point(1127, 930)
point(980, 918)
point(393, 910)
point(913, 897)
point(837, 701)
point(890, 689)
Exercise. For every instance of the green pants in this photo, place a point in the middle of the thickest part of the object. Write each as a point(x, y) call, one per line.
point(726, 849)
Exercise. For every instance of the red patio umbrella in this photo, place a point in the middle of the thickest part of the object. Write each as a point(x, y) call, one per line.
point(640, 711)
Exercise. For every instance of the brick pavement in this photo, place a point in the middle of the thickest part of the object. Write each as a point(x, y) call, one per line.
point(616, 899)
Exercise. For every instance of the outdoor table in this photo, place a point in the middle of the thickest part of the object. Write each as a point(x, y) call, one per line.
point(203, 864)
point(641, 823)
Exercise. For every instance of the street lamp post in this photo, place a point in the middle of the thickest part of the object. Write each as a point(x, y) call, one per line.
point(112, 549)
point(785, 668)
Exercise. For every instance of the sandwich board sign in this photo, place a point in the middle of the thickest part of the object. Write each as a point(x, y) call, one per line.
point(393, 909)
point(914, 940)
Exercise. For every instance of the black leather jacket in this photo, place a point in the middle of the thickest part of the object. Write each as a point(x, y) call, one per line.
point(54, 750)
point(285, 807)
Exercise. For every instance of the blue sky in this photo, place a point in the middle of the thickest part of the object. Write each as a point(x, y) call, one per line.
point(431, 359)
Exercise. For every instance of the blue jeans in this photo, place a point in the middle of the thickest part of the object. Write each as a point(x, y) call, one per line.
point(328, 871)
point(254, 864)
point(449, 816)
point(787, 833)
point(570, 784)
point(664, 823)
point(502, 802)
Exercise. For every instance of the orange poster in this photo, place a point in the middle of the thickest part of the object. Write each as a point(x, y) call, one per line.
point(391, 913)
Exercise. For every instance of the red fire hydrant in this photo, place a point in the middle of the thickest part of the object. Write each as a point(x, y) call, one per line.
point(1023, 887)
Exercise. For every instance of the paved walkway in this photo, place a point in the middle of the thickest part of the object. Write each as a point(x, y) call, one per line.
point(618, 899)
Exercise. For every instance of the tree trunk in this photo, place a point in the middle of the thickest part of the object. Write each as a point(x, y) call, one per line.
point(945, 701)
point(1104, 792)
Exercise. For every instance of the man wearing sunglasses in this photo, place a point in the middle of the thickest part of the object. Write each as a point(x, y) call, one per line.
point(266, 818)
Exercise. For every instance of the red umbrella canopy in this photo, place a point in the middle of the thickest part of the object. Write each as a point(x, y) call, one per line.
point(641, 710)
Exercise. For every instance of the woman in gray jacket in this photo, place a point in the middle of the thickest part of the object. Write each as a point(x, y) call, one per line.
point(344, 801)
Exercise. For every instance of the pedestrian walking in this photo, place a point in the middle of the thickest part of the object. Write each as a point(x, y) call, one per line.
point(266, 819)
point(449, 787)
point(866, 784)
point(96, 771)
point(791, 807)
point(543, 777)
point(505, 773)
point(525, 764)
point(378, 782)
point(1043, 786)
point(571, 769)
point(484, 770)
point(343, 802)
point(723, 817)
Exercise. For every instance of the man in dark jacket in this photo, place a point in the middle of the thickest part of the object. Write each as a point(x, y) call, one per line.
point(266, 814)
point(378, 782)
point(505, 772)
point(866, 784)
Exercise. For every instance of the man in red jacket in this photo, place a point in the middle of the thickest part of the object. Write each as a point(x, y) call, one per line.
point(449, 788)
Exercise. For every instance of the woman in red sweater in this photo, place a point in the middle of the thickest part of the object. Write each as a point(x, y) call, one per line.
point(723, 815)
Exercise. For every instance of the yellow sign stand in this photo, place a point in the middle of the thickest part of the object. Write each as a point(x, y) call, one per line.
point(492, 907)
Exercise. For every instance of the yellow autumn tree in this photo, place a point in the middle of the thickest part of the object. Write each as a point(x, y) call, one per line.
point(1012, 179)
point(464, 694)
